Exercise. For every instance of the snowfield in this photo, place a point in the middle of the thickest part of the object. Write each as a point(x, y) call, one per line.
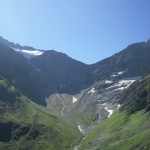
point(108, 82)
point(29, 53)
point(118, 74)
point(92, 91)
point(123, 84)
point(35, 52)
point(74, 99)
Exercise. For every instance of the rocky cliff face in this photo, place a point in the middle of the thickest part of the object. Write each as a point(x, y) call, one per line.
point(133, 61)
point(63, 74)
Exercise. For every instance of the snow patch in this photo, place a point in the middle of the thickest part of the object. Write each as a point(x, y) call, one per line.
point(80, 129)
point(118, 106)
point(74, 99)
point(92, 90)
point(29, 53)
point(34, 52)
point(108, 82)
point(103, 104)
point(123, 84)
point(109, 110)
point(114, 75)
point(120, 73)
point(120, 89)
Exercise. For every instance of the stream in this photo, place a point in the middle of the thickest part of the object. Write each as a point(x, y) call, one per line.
point(85, 135)
point(62, 111)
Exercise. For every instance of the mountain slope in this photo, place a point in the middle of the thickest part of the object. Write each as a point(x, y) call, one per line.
point(109, 79)
point(132, 61)
point(24, 124)
point(137, 97)
point(128, 128)
point(64, 74)
point(20, 73)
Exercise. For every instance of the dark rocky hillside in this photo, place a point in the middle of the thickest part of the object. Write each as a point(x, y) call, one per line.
point(20, 73)
point(133, 61)
point(64, 74)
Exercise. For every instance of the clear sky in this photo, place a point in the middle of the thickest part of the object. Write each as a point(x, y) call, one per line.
point(86, 30)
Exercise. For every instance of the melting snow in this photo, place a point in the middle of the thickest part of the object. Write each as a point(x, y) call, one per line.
point(104, 104)
point(80, 129)
point(74, 99)
point(120, 89)
point(108, 82)
point(114, 75)
point(118, 106)
point(120, 73)
point(123, 84)
point(109, 110)
point(29, 53)
point(34, 52)
point(92, 90)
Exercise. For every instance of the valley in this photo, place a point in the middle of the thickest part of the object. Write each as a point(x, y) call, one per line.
point(50, 101)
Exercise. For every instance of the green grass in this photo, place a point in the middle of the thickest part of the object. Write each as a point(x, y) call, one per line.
point(85, 118)
point(28, 125)
point(121, 132)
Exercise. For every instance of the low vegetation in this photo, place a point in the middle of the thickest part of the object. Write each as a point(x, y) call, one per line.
point(120, 131)
point(26, 125)
point(129, 127)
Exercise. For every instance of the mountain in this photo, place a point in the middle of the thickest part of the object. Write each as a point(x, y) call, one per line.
point(137, 97)
point(46, 72)
point(127, 128)
point(105, 101)
point(52, 74)
point(24, 124)
point(20, 73)
point(13, 45)
point(64, 74)
point(132, 61)
point(110, 79)
point(26, 51)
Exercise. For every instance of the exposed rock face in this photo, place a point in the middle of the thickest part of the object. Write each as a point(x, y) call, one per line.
point(134, 61)
point(93, 104)
point(63, 73)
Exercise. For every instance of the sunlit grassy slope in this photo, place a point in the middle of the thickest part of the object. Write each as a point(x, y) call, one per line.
point(25, 125)
point(120, 132)
point(129, 127)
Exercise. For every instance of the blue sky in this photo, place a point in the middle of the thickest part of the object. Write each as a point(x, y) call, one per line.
point(86, 30)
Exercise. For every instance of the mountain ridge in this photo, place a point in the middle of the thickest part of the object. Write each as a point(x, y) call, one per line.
point(109, 94)
point(62, 74)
